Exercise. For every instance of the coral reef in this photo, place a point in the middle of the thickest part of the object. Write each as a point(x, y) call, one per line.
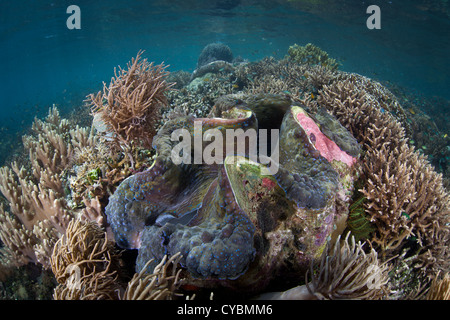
point(96, 170)
point(27, 282)
point(351, 157)
point(428, 118)
point(196, 100)
point(36, 193)
point(204, 212)
point(38, 211)
point(311, 55)
point(285, 75)
point(440, 288)
point(347, 272)
point(87, 267)
point(161, 284)
point(212, 67)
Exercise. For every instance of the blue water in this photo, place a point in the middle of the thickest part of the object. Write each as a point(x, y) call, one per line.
point(43, 62)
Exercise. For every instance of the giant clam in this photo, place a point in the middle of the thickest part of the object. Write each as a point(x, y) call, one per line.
point(235, 222)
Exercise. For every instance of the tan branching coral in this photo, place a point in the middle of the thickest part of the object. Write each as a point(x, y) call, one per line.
point(405, 196)
point(162, 284)
point(19, 242)
point(85, 264)
point(129, 106)
point(311, 55)
point(344, 271)
point(440, 288)
point(38, 211)
point(347, 272)
point(35, 192)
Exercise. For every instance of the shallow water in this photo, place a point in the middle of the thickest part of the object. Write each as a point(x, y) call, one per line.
point(45, 63)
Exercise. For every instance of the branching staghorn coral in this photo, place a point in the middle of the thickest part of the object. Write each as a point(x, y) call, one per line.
point(129, 106)
point(405, 196)
point(344, 271)
point(285, 76)
point(85, 264)
point(162, 284)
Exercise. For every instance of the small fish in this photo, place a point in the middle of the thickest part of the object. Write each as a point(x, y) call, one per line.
point(411, 110)
point(445, 136)
point(235, 86)
point(313, 96)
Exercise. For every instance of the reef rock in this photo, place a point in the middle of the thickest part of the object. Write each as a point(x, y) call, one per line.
point(237, 223)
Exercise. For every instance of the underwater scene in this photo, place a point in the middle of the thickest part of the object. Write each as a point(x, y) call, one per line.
point(209, 150)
